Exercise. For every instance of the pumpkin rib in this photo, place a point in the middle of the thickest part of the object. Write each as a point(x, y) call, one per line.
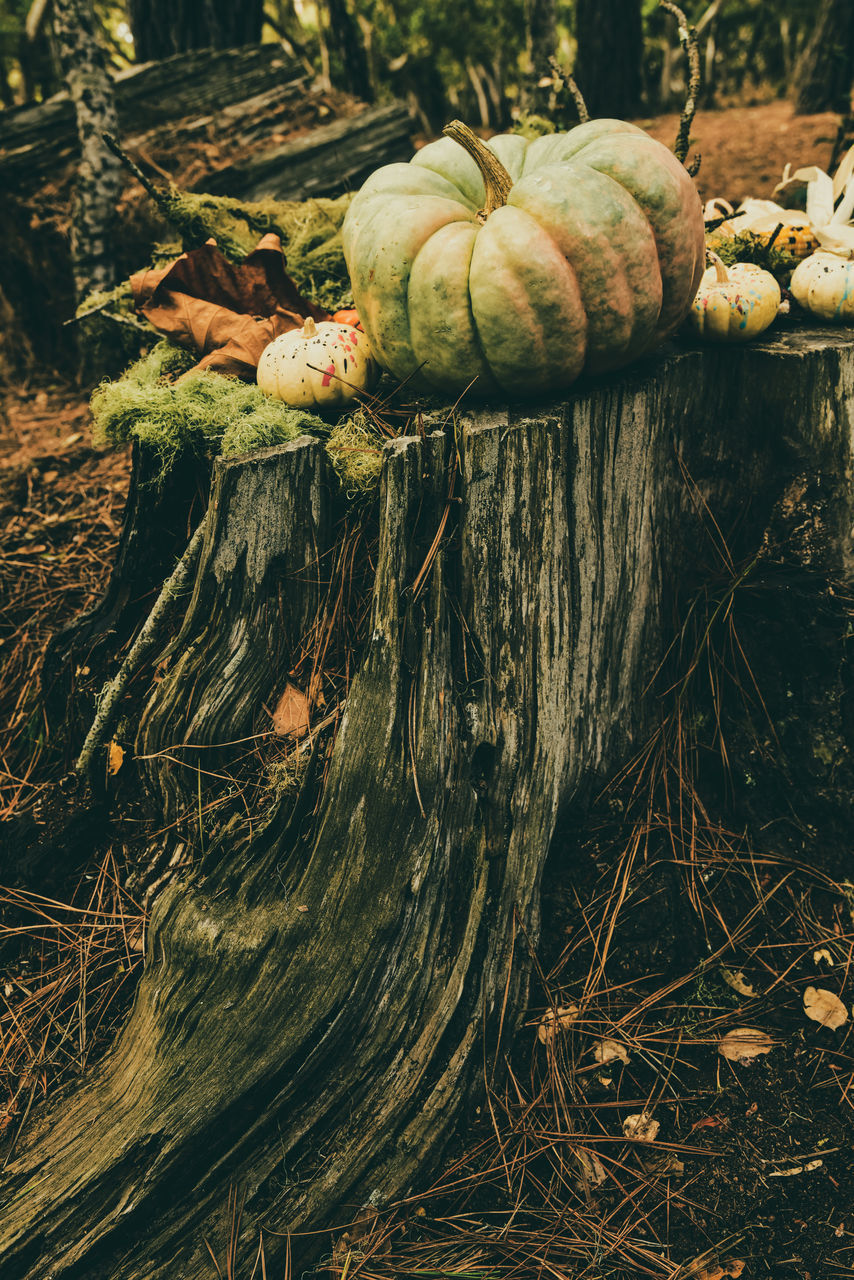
point(443, 333)
point(387, 324)
point(518, 274)
point(682, 263)
point(405, 179)
point(608, 241)
point(558, 148)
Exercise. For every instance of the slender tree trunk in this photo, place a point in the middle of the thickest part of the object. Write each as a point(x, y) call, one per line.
point(99, 177)
point(609, 58)
point(349, 61)
point(540, 45)
point(317, 996)
point(825, 70)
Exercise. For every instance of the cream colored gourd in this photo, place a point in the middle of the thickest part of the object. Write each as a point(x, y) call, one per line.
point(824, 285)
point(317, 366)
point(734, 304)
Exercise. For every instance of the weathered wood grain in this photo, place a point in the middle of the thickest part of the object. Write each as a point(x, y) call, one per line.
point(311, 1018)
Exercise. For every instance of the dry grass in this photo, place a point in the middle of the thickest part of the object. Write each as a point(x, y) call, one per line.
point(60, 514)
point(63, 992)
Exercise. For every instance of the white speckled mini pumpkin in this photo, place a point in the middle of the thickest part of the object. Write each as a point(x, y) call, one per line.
point(318, 365)
point(824, 285)
point(734, 304)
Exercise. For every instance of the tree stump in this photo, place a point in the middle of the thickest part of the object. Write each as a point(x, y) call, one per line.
point(318, 994)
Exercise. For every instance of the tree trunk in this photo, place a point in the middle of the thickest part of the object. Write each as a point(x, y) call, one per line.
point(825, 69)
point(99, 178)
point(349, 69)
point(318, 995)
point(540, 46)
point(163, 27)
point(610, 53)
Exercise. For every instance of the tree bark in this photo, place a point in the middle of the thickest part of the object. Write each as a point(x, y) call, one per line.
point(825, 70)
point(610, 53)
point(347, 48)
point(99, 178)
point(317, 995)
point(164, 27)
point(541, 45)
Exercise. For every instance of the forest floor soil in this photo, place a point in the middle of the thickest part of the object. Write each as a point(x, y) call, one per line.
point(750, 1171)
point(744, 149)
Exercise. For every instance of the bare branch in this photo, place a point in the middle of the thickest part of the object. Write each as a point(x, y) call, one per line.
point(688, 40)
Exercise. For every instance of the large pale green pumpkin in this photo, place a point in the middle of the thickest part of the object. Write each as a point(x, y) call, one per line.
point(584, 255)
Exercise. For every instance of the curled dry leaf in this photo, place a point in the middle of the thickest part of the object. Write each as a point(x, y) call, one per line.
point(292, 713)
point(115, 759)
point(590, 1169)
point(641, 1126)
point(822, 955)
point(664, 1164)
point(226, 313)
point(744, 1043)
point(824, 1008)
point(556, 1020)
point(610, 1051)
point(738, 982)
point(718, 1270)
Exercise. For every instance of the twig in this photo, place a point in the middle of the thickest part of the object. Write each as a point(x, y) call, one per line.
point(144, 643)
point(689, 42)
point(132, 167)
point(569, 83)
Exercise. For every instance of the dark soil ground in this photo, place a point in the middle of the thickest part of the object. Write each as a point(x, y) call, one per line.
point(711, 888)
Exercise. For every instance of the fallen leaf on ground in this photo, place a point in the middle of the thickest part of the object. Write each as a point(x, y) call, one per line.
point(116, 758)
point(718, 1270)
point(610, 1051)
point(666, 1164)
point(641, 1126)
point(292, 714)
point(798, 1168)
point(738, 982)
point(744, 1043)
point(822, 954)
point(590, 1168)
point(225, 312)
point(824, 1008)
point(556, 1020)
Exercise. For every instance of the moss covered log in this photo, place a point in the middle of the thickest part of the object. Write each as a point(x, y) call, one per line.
point(311, 1021)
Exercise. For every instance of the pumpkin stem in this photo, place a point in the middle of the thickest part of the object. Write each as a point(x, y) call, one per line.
point(721, 273)
point(496, 179)
point(309, 329)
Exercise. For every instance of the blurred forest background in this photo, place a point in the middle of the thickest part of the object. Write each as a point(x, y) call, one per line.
point(477, 61)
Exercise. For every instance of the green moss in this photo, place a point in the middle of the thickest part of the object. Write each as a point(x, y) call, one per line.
point(355, 449)
point(747, 247)
point(204, 412)
point(310, 231)
point(533, 126)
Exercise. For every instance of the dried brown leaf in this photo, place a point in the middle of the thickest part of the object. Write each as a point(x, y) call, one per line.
point(824, 1008)
point(225, 312)
point(641, 1126)
point(292, 713)
point(718, 1270)
point(115, 758)
point(556, 1020)
point(610, 1051)
point(738, 982)
point(744, 1044)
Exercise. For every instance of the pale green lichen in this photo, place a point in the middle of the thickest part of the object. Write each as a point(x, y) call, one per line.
point(532, 126)
point(203, 412)
point(355, 449)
